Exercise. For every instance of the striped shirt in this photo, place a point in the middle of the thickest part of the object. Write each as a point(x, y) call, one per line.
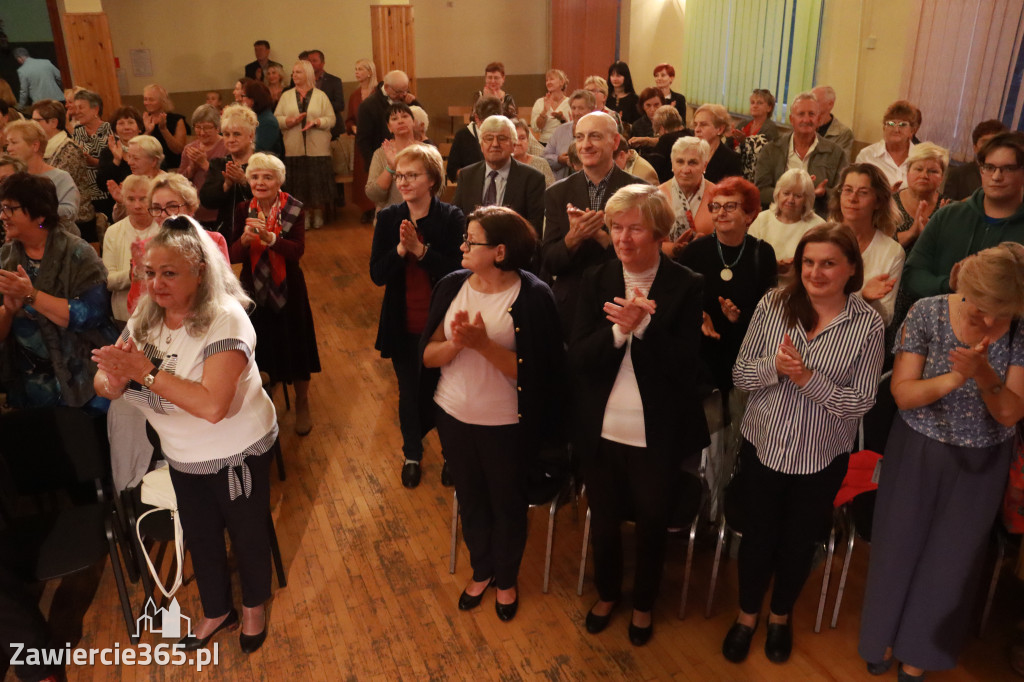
point(800, 430)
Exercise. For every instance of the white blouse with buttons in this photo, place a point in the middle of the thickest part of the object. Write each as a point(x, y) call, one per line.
point(471, 389)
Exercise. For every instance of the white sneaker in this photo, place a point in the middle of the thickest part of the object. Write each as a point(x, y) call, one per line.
point(318, 220)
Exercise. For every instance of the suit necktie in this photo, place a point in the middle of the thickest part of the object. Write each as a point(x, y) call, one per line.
point(491, 195)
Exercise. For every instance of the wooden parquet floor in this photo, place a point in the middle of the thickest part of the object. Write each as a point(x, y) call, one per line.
point(369, 596)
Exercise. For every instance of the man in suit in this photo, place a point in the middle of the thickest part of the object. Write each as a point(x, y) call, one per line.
point(372, 118)
point(257, 70)
point(499, 179)
point(829, 126)
point(575, 236)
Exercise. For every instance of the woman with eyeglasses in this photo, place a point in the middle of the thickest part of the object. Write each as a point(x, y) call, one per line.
point(415, 244)
point(959, 384)
point(56, 308)
point(195, 158)
point(899, 125)
point(380, 178)
point(811, 360)
point(863, 202)
point(269, 240)
point(493, 333)
point(226, 187)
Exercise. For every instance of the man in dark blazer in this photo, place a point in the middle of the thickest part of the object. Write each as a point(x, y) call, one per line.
point(516, 185)
point(332, 87)
point(257, 70)
point(575, 236)
point(372, 118)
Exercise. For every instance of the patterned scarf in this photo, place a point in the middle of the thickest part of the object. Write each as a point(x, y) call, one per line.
point(268, 267)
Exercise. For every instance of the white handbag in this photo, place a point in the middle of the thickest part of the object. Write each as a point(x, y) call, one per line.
point(158, 491)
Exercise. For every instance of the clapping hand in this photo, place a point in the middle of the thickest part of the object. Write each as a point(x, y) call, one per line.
point(820, 188)
point(788, 362)
point(310, 124)
point(292, 121)
point(466, 334)
point(707, 327)
point(233, 173)
point(197, 156)
point(409, 241)
point(729, 309)
point(877, 287)
point(629, 313)
point(15, 286)
point(122, 362)
point(584, 225)
point(390, 152)
point(969, 362)
point(114, 190)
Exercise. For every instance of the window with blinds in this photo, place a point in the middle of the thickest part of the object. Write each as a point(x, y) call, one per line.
point(736, 46)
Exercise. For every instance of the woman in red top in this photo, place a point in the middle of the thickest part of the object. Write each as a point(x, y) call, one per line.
point(366, 75)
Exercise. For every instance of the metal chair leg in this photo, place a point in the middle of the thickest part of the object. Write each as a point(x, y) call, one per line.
point(689, 565)
point(829, 553)
point(583, 553)
point(715, 565)
point(551, 541)
point(851, 532)
point(1000, 555)
point(115, 564)
point(455, 531)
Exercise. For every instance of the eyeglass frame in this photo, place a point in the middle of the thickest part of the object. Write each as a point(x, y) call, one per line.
point(469, 244)
point(893, 123)
point(990, 169)
point(715, 207)
point(9, 210)
point(163, 210)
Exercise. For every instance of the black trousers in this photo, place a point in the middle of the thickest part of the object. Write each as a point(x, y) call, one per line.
point(406, 360)
point(489, 466)
point(784, 517)
point(206, 510)
point(628, 483)
point(21, 622)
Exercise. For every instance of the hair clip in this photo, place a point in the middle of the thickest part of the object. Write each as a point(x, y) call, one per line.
point(178, 222)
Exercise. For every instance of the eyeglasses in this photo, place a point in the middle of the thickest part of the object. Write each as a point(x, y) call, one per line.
point(470, 244)
point(9, 209)
point(204, 127)
point(169, 209)
point(411, 177)
point(898, 124)
point(989, 169)
point(500, 139)
point(860, 193)
point(728, 207)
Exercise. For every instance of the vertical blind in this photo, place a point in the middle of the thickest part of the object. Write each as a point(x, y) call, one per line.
point(735, 46)
point(966, 67)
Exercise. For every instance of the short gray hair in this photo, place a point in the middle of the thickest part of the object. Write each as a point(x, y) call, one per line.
point(798, 179)
point(396, 76)
point(239, 116)
point(690, 143)
point(263, 161)
point(94, 101)
point(8, 160)
point(20, 52)
point(498, 124)
point(585, 95)
point(667, 118)
point(806, 96)
point(148, 144)
point(928, 151)
point(204, 113)
point(827, 91)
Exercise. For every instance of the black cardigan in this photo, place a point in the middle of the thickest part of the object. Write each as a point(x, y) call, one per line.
point(212, 195)
point(442, 230)
point(665, 361)
point(541, 379)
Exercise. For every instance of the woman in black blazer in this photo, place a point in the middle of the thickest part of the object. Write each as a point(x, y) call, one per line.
point(415, 243)
point(638, 413)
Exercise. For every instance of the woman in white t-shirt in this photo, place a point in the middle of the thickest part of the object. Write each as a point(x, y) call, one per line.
point(125, 238)
point(186, 360)
point(493, 330)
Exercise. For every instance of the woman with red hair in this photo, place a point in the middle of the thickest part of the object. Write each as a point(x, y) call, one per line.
point(664, 74)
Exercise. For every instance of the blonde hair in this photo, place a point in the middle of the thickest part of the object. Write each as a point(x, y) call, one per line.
point(238, 116)
point(561, 75)
point(994, 279)
point(719, 116)
point(30, 131)
point(307, 69)
point(420, 116)
point(186, 237)
point(929, 151)
point(274, 68)
point(432, 162)
point(137, 182)
point(795, 178)
point(688, 143)
point(148, 144)
point(263, 161)
point(653, 205)
point(667, 119)
point(369, 66)
point(178, 184)
point(161, 92)
point(601, 83)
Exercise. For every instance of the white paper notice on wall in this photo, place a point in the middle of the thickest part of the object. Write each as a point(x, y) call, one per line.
point(142, 63)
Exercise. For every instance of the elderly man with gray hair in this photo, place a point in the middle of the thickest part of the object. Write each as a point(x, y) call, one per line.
point(39, 78)
point(499, 179)
point(372, 119)
point(829, 126)
point(803, 148)
point(581, 103)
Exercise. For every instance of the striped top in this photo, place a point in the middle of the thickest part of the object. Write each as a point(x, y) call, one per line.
point(800, 430)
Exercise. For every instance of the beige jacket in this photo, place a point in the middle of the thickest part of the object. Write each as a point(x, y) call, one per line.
point(317, 140)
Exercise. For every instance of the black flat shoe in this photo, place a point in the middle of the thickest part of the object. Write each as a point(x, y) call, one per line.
point(190, 643)
point(779, 644)
point(468, 601)
point(596, 623)
point(506, 612)
point(737, 642)
point(446, 476)
point(250, 643)
point(881, 668)
point(639, 636)
point(904, 676)
point(411, 474)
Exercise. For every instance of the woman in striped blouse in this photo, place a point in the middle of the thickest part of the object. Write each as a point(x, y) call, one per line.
point(811, 360)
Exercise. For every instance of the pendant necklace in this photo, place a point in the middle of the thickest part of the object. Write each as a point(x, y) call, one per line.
point(726, 273)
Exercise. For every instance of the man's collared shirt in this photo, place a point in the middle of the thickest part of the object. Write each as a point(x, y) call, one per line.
point(597, 192)
point(794, 160)
point(500, 180)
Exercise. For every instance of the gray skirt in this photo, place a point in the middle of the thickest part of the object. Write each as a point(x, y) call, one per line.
point(935, 509)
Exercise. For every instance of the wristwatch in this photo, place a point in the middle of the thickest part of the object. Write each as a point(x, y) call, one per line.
point(151, 377)
point(31, 298)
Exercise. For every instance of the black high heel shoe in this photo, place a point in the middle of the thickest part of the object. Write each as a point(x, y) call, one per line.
point(251, 643)
point(469, 601)
point(639, 636)
point(191, 643)
point(507, 612)
point(596, 623)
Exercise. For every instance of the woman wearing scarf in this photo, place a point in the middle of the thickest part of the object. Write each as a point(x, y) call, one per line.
point(269, 239)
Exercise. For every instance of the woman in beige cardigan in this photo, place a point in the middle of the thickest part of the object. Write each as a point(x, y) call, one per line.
point(306, 118)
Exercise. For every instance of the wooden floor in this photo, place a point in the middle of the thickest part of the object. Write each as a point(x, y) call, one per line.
point(369, 596)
